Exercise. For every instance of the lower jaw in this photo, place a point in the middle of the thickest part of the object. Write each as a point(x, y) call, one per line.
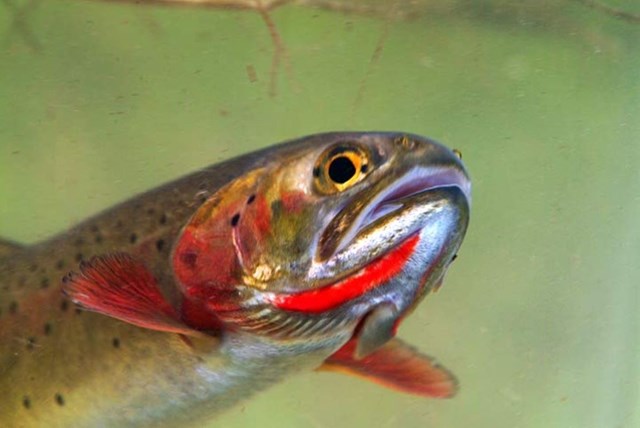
point(331, 296)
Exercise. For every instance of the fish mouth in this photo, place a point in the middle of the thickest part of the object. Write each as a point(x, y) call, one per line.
point(361, 232)
point(420, 238)
point(418, 180)
point(382, 237)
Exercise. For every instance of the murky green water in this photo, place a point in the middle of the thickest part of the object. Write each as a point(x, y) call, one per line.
point(539, 316)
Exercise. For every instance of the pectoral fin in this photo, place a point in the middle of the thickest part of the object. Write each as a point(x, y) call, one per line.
point(121, 287)
point(398, 366)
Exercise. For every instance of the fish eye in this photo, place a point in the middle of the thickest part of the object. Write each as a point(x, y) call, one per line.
point(340, 167)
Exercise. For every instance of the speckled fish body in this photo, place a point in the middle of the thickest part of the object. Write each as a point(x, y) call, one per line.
point(271, 299)
point(61, 366)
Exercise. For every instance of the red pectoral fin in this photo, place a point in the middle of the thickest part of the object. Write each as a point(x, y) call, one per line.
point(121, 287)
point(398, 366)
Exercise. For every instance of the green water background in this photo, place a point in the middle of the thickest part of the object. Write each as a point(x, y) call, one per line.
point(539, 316)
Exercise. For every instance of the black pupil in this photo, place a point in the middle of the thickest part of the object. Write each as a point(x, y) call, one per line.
point(341, 169)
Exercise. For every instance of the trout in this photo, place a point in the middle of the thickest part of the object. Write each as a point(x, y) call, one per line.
point(183, 301)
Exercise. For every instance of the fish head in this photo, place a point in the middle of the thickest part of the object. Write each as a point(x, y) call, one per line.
point(334, 237)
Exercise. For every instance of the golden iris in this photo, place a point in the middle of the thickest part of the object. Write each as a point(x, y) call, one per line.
point(340, 167)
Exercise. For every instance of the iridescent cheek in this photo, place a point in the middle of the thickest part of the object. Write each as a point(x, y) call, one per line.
point(293, 202)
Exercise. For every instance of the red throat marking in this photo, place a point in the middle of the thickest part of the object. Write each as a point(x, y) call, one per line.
point(368, 278)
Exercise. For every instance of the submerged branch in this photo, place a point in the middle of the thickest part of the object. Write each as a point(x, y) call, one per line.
point(624, 15)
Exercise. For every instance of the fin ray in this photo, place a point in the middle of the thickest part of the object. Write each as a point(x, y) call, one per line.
point(121, 287)
point(398, 366)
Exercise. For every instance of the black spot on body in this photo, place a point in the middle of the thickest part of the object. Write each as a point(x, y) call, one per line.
point(31, 343)
point(133, 238)
point(60, 264)
point(235, 219)
point(44, 283)
point(160, 244)
point(78, 311)
point(364, 168)
point(13, 307)
point(189, 259)
point(47, 329)
point(115, 342)
point(316, 172)
point(59, 399)
point(26, 402)
point(251, 199)
point(163, 218)
point(64, 305)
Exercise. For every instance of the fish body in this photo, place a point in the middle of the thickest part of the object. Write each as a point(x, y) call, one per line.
point(200, 293)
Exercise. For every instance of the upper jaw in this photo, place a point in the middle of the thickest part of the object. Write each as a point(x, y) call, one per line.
point(415, 181)
point(391, 215)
